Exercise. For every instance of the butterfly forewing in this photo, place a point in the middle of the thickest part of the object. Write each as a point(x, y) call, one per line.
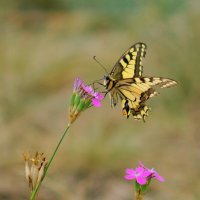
point(130, 63)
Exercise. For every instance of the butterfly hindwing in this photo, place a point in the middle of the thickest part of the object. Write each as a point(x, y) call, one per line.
point(130, 63)
point(137, 91)
point(141, 113)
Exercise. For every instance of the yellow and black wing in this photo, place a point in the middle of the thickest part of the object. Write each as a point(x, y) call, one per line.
point(136, 91)
point(141, 112)
point(130, 63)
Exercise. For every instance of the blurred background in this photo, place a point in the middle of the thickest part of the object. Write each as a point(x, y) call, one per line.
point(44, 45)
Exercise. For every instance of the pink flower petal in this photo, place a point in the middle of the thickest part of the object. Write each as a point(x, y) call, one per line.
point(129, 177)
point(141, 164)
point(158, 177)
point(77, 84)
point(141, 180)
point(96, 102)
point(98, 95)
point(130, 174)
point(140, 170)
point(130, 171)
point(88, 89)
point(147, 173)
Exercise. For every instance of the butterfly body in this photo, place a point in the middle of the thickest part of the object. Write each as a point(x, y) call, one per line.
point(125, 82)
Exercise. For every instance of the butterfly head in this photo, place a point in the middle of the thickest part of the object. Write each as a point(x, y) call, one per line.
point(108, 81)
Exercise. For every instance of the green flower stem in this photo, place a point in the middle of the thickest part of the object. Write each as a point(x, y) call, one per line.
point(138, 195)
point(33, 194)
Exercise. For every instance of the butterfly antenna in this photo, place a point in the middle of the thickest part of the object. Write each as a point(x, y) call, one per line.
point(94, 57)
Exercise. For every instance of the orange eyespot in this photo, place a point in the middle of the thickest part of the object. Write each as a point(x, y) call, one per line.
point(124, 112)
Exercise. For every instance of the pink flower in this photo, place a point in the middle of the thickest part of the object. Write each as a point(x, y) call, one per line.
point(88, 92)
point(142, 174)
point(82, 98)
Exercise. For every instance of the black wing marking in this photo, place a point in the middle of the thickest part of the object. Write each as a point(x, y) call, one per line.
point(130, 63)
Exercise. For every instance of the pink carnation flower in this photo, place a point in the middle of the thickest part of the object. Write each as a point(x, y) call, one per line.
point(88, 92)
point(142, 174)
point(82, 98)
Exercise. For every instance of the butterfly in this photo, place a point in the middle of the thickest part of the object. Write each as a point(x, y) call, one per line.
point(127, 83)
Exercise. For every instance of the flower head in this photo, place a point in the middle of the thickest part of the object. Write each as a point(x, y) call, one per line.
point(142, 174)
point(34, 168)
point(82, 98)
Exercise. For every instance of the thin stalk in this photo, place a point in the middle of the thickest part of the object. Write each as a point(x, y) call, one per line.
point(33, 194)
point(138, 195)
